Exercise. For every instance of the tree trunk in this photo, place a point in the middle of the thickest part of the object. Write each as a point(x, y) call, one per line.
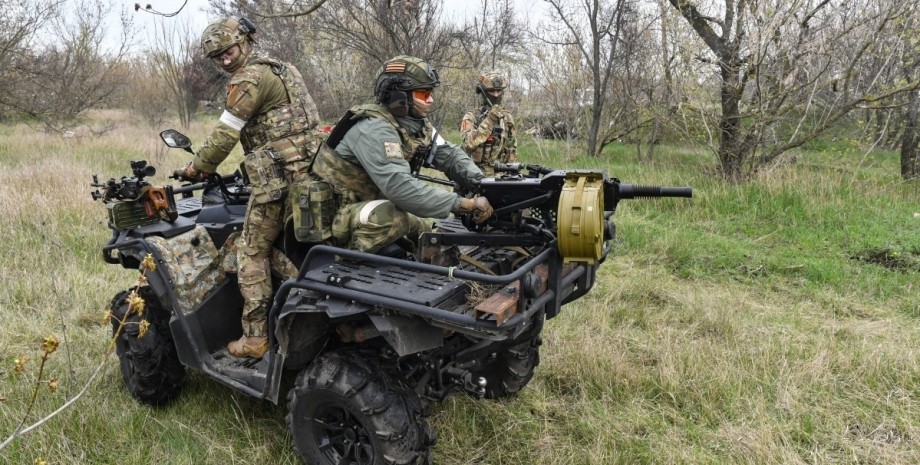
point(731, 153)
point(910, 156)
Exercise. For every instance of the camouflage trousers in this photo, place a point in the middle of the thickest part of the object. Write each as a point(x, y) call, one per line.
point(263, 223)
point(370, 226)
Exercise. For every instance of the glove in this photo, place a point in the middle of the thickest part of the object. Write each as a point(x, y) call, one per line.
point(188, 173)
point(495, 113)
point(478, 206)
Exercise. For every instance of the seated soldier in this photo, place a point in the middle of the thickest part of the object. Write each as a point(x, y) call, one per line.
point(379, 200)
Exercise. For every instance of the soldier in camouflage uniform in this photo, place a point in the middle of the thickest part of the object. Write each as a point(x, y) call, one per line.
point(488, 131)
point(378, 199)
point(274, 117)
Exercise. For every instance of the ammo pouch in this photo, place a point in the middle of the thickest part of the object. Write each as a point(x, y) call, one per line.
point(313, 207)
point(265, 170)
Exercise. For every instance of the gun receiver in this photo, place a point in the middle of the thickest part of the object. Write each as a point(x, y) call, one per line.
point(573, 204)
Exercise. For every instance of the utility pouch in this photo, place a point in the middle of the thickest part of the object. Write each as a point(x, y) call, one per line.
point(266, 175)
point(313, 207)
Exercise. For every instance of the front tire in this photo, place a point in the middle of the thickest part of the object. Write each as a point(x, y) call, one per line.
point(150, 366)
point(344, 409)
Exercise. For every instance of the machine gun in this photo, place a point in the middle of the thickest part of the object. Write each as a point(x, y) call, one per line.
point(133, 201)
point(573, 207)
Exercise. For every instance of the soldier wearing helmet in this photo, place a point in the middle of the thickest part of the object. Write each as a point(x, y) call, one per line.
point(270, 112)
point(488, 132)
point(369, 157)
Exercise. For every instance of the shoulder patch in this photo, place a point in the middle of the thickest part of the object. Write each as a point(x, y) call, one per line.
point(466, 125)
point(392, 149)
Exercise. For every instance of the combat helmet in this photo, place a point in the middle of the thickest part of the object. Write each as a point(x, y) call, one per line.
point(491, 81)
point(398, 77)
point(224, 33)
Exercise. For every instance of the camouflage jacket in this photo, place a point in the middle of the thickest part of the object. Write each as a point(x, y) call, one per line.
point(372, 162)
point(268, 107)
point(488, 140)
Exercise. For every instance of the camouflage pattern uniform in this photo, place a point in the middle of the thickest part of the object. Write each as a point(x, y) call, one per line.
point(274, 117)
point(488, 132)
point(379, 201)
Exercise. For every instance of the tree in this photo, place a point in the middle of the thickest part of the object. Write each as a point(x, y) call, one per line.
point(600, 31)
point(57, 83)
point(19, 25)
point(789, 71)
point(178, 63)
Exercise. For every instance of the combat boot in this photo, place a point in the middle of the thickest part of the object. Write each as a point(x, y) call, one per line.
point(249, 346)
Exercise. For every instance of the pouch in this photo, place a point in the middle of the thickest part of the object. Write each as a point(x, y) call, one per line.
point(313, 207)
point(266, 176)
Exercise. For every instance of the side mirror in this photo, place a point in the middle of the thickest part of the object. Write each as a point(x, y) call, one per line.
point(176, 140)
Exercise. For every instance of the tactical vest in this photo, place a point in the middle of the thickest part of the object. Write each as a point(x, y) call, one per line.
point(494, 148)
point(344, 174)
point(286, 120)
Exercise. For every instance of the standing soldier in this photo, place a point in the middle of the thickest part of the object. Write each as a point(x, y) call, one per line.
point(369, 161)
point(488, 131)
point(271, 113)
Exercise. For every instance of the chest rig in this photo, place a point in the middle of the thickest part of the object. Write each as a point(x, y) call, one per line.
point(344, 174)
point(285, 120)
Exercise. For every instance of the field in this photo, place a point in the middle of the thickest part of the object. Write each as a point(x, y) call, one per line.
point(775, 321)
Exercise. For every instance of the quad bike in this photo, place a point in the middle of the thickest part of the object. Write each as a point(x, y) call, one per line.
point(369, 337)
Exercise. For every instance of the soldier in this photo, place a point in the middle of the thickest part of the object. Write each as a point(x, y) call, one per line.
point(367, 160)
point(488, 131)
point(271, 113)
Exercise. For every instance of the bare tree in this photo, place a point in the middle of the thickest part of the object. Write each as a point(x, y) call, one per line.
point(19, 24)
point(494, 35)
point(788, 71)
point(62, 80)
point(173, 62)
point(910, 140)
point(598, 29)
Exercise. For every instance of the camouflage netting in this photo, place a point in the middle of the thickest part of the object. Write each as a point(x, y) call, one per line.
point(196, 267)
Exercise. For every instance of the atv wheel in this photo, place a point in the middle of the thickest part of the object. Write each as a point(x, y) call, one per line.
point(150, 366)
point(509, 370)
point(344, 409)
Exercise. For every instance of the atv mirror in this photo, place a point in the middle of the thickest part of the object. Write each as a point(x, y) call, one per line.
point(176, 140)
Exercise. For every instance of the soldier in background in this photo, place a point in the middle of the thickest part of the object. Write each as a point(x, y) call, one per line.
point(368, 160)
point(488, 132)
point(271, 113)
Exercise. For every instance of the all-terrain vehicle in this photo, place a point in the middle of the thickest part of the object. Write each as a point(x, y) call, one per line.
point(369, 337)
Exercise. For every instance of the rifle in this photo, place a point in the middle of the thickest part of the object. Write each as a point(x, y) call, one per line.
point(424, 158)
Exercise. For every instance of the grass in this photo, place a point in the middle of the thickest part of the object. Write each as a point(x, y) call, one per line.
point(775, 321)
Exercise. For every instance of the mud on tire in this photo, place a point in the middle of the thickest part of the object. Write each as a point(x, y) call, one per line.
point(345, 409)
point(150, 365)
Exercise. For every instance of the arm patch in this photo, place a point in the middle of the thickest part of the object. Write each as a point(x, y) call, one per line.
point(392, 150)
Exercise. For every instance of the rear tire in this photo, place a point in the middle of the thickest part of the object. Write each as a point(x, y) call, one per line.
point(345, 408)
point(150, 365)
point(509, 370)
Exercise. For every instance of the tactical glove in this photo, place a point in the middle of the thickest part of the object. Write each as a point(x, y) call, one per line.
point(188, 173)
point(495, 113)
point(478, 206)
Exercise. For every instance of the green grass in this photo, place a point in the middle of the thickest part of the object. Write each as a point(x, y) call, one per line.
point(775, 321)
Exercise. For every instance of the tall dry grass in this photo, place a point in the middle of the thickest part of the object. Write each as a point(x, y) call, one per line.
point(770, 322)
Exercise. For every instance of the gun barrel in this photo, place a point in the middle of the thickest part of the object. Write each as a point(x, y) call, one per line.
point(632, 191)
